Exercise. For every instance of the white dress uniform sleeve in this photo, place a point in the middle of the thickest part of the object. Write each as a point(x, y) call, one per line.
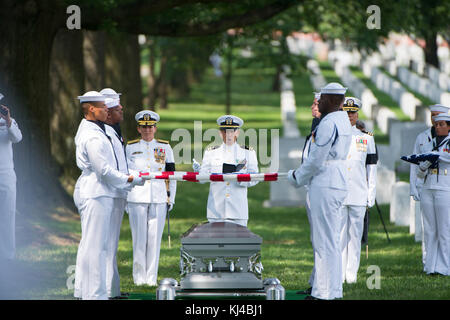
point(413, 173)
point(205, 168)
point(132, 168)
point(371, 169)
point(319, 151)
point(172, 183)
point(14, 133)
point(252, 167)
point(95, 151)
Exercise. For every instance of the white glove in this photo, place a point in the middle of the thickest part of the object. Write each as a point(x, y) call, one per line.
point(370, 203)
point(415, 195)
point(137, 181)
point(170, 206)
point(424, 165)
point(195, 166)
point(292, 179)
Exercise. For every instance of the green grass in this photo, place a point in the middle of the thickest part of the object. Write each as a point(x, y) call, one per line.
point(286, 249)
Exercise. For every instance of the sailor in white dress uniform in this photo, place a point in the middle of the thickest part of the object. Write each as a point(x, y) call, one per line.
point(435, 200)
point(362, 176)
point(148, 204)
point(227, 201)
point(326, 173)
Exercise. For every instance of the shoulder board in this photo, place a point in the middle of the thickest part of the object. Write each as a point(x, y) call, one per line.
point(246, 147)
point(212, 148)
point(133, 141)
point(368, 132)
point(162, 141)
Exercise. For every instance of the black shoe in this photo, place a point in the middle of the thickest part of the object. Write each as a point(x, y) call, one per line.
point(307, 291)
point(124, 294)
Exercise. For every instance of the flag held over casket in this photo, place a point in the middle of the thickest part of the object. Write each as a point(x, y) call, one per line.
point(417, 158)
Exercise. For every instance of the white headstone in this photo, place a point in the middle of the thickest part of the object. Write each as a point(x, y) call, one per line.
point(400, 204)
point(385, 182)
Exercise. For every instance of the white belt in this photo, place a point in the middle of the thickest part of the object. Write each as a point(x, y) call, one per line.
point(442, 172)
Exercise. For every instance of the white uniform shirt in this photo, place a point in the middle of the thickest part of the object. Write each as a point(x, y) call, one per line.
point(150, 156)
point(119, 151)
point(362, 170)
point(96, 159)
point(8, 136)
point(439, 180)
point(423, 139)
point(228, 200)
point(326, 162)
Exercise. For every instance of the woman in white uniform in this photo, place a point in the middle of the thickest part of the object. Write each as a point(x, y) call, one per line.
point(148, 204)
point(435, 200)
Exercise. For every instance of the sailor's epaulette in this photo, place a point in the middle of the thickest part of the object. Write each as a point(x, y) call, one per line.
point(162, 141)
point(212, 148)
point(368, 132)
point(133, 141)
point(246, 147)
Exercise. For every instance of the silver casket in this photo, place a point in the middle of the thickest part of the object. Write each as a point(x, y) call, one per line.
point(220, 255)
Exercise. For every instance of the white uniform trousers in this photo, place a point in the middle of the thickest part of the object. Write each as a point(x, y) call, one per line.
point(242, 222)
point(147, 225)
point(308, 213)
point(90, 272)
point(351, 234)
point(326, 218)
point(112, 271)
point(7, 214)
point(436, 230)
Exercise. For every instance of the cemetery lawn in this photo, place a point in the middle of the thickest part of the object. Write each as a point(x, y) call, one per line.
point(286, 249)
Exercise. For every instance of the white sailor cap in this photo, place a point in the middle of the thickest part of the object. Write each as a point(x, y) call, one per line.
point(147, 118)
point(333, 88)
point(91, 96)
point(439, 108)
point(110, 93)
point(442, 117)
point(351, 104)
point(112, 103)
point(1, 96)
point(229, 122)
point(317, 96)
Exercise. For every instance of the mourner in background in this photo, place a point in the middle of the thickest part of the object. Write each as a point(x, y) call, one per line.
point(9, 134)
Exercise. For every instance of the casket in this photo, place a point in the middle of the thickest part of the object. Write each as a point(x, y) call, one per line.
point(220, 255)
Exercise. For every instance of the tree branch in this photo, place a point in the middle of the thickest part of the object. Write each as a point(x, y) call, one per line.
point(130, 22)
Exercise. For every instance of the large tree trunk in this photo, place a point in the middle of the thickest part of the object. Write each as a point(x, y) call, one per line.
point(94, 59)
point(430, 50)
point(123, 74)
point(163, 83)
point(26, 36)
point(228, 74)
point(151, 79)
point(66, 83)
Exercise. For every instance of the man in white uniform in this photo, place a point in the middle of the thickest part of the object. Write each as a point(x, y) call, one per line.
point(148, 204)
point(435, 200)
point(115, 117)
point(95, 196)
point(326, 173)
point(9, 134)
point(362, 175)
point(227, 201)
point(422, 140)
